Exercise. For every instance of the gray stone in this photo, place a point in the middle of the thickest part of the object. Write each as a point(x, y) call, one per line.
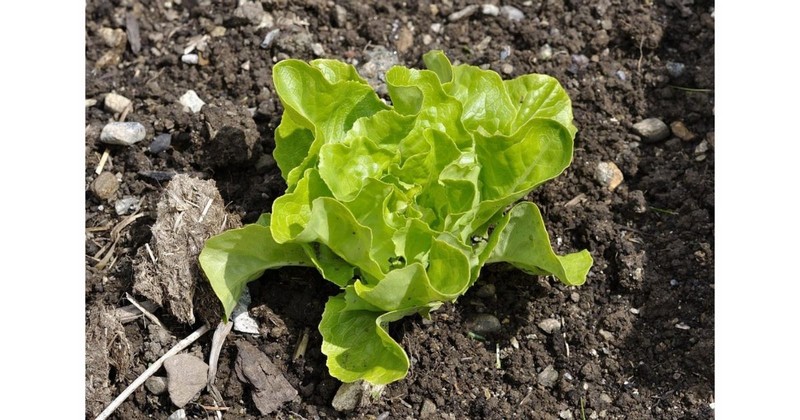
point(608, 175)
point(675, 69)
point(348, 396)
point(116, 103)
point(340, 16)
point(270, 387)
point(490, 10)
point(484, 324)
point(428, 409)
point(548, 377)
point(606, 335)
point(105, 186)
point(252, 11)
point(512, 13)
point(546, 52)
point(157, 385)
point(160, 143)
point(565, 414)
point(242, 321)
point(317, 49)
point(549, 325)
point(186, 377)
point(191, 102)
point(486, 291)
point(269, 38)
point(178, 415)
point(463, 13)
point(651, 130)
point(123, 133)
point(126, 205)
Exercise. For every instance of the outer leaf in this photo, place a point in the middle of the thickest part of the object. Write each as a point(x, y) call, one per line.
point(358, 345)
point(238, 256)
point(524, 242)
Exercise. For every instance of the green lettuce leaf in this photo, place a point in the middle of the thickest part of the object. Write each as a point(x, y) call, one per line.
point(401, 205)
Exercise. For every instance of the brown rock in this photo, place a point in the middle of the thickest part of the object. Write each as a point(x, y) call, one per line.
point(679, 130)
point(105, 186)
point(270, 387)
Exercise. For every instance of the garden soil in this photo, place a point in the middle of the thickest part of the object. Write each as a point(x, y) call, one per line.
point(635, 342)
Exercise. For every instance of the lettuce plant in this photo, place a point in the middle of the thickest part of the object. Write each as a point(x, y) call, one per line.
point(401, 205)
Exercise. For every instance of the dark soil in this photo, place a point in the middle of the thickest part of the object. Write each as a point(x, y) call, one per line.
point(636, 341)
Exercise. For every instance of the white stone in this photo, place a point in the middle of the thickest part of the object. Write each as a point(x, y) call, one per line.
point(191, 101)
point(123, 133)
point(116, 103)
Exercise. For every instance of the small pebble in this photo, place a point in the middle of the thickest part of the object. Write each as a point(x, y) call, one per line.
point(675, 69)
point(270, 38)
point(91, 102)
point(105, 186)
point(606, 398)
point(565, 414)
point(549, 325)
point(157, 385)
point(427, 39)
point(436, 27)
point(673, 282)
point(428, 409)
point(505, 52)
point(484, 324)
point(512, 13)
point(546, 52)
point(679, 130)
point(178, 415)
point(634, 311)
point(122, 133)
point(126, 205)
point(548, 376)
point(463, 13)
point(116, 103)
point(514, 342)
point(114, 38)
point(186, 377)
point(651, 130)
point(682, 326)
point(701, 148)
point(507, 68)
point(191, 101)
point(486, 291)
point(608, 175)
point(242, 321)
point(340, 16)
point(575, 296)
point(606, 335)
point(348, 396)
point(190, 58)
point(490, 10)
point(160, 143)
point(317, 49)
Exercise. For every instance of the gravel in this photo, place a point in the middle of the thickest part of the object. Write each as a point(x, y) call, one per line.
point(122, 133)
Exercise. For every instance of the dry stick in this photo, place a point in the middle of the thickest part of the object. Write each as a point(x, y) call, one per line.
point(99, 169)
point(151, 370)
point(146, 313)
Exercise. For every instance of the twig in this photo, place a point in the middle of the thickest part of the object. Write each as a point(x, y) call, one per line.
point(151, 370)
point(150, 252)
point(641, 55)
point(301, 346)
point(205, 210)
point(99, 169)
point(131, 313)
point(145, 312)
